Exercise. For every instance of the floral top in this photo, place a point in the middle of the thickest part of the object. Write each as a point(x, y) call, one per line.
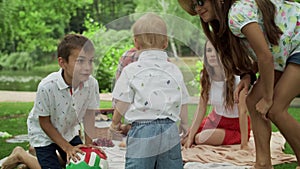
point(153, 86)
point(287, 18)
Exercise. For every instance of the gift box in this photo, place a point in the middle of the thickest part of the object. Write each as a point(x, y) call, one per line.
point(92, 158)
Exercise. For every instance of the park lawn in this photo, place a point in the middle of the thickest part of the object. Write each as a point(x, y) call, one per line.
point(13, 117)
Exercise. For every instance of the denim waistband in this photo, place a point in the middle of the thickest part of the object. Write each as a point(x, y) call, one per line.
point(155, 121)
point(295, 58)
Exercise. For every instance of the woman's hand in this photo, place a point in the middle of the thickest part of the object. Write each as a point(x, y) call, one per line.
point(189, 142)
point(245, 147)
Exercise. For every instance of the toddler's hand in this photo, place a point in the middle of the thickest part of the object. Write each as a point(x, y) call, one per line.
point(114, 131)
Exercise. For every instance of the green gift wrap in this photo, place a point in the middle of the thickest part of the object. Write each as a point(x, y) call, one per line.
point(91, 159)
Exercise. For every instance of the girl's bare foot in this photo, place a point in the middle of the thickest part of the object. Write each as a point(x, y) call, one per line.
point(22, 166)
point(13, 159)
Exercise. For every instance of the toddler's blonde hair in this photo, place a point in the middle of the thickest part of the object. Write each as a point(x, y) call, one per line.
point(150, 31)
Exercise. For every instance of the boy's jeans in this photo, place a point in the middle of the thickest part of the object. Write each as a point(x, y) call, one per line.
point(153, 144)
point(47, 156)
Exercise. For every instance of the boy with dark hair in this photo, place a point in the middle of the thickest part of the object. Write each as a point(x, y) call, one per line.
point(65, 99)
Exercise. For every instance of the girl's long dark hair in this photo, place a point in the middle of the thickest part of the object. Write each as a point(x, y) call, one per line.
point(205, 81)
point(234, 54)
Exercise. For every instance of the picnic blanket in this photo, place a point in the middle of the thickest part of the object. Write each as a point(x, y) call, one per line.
point(206, 157)
point(233, 155)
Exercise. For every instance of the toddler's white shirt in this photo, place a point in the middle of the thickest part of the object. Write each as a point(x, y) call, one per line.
point(153, 86)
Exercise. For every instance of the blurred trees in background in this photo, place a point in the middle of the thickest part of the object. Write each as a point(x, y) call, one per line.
point(31, 29)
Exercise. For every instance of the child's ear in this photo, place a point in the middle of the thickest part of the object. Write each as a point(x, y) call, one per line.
point(136, 44)
point(166, 43)
point(61, 62)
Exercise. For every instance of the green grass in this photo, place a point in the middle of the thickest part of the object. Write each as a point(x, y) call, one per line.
point(13, 117)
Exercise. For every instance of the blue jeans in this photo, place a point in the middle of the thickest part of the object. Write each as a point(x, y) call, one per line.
point(153, 144)
point(47, 156)
point(295, 58)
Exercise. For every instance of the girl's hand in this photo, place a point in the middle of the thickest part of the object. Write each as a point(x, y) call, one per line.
point(263, 107)
point(243, 84)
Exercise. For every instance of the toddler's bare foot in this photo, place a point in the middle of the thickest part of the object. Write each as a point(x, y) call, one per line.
point(298, 167)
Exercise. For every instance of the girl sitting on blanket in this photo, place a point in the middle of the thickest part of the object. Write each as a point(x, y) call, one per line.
point(228, 122)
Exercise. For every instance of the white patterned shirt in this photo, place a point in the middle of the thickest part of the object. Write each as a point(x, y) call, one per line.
point(153, 86)
point(54, 99)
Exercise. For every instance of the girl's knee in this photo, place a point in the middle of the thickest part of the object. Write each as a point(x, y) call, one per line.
point(199, 139)
point(273, 114)
point(251, 102)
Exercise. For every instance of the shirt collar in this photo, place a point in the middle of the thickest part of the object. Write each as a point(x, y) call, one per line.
point(153, 55)
point(62, 84)
point(60, 80)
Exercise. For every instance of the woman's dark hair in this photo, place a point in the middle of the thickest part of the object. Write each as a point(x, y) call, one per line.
point(205, 82)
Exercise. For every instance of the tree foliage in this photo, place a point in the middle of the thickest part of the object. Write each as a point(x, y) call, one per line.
point(35, 25)
point(110, 44)
point(31, 29)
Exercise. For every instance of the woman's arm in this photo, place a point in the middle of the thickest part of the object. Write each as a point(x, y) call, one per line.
point(243, 119)
point(265, 62)
point(198, 117)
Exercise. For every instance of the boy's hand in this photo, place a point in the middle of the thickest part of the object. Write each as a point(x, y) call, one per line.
point(72, 151)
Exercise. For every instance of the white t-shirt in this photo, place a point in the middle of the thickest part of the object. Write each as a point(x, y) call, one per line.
point(53, 98)
point(216, 99)
point(153, 86)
